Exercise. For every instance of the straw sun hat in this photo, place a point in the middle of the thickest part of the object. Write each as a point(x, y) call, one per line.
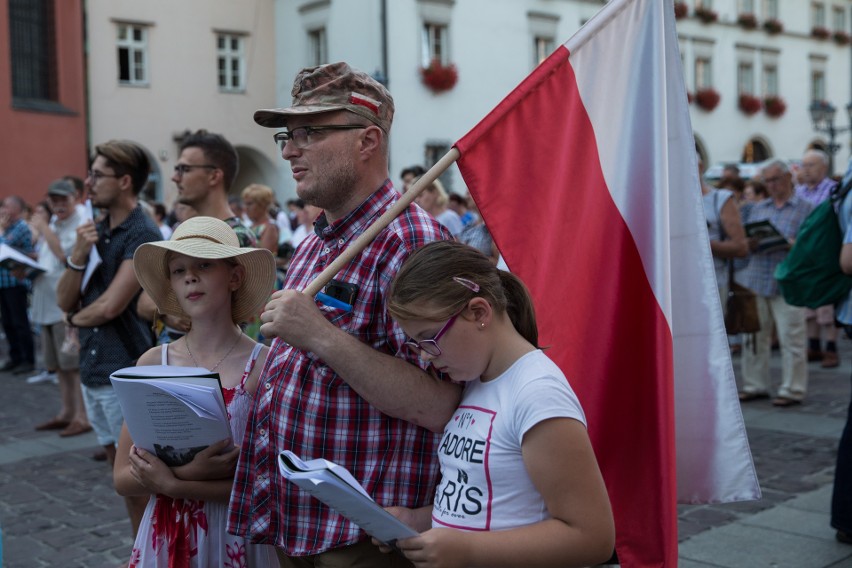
point(206, 237)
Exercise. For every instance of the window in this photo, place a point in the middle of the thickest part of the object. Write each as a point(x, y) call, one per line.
point(746, 7)
point(231, 61)
point(33, 50)
point(745, 79)
point(542, 47)
point(818, 15)
point(706, 4)
point(435, 45)
point(132, 54)
point(818, 85)
point(434, 151)
point(318, 47)
point(703, 73)
point(839, 19)
point(770, 9)
point(770, 80)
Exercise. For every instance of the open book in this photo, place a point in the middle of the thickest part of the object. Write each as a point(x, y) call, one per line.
point(769, 238)
point(173, 412)
point(334, 485)
point(12, 259)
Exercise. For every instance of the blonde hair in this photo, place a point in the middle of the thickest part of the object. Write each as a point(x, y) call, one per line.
point(442, 198)
point(439, 279)
point(262, 194)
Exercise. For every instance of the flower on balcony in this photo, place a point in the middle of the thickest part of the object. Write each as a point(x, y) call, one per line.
point(706, 15)
point(774, 105)
point(747, 20)
point(707, 98)
point(689, 97)
point(439, 77)
point(773, 26)
point(749, 104)
point(681, 10)
point(841, 37)
point(820, 32)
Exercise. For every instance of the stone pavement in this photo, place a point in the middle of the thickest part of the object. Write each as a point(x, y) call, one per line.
point(58, 508)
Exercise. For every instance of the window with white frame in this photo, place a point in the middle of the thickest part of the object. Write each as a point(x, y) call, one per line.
point(745, 78)
point(746, 6)
point(839, 18)
point(770, 80)
point(707, 4)
point(230, 53)
point(132, 44)
point(770, 9)
point(435, 46)
point(318, 46)
point(817, 15)
point(542, 48)
point(817, 85)
point(703, 73)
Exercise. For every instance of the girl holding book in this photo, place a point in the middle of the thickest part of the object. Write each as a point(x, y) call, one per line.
point(201, 274)
point(520, 485)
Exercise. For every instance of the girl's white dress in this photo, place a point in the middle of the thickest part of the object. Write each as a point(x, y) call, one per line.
point(182, 533)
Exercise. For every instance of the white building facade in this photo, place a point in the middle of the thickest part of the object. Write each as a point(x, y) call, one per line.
point(494, 44)
point(159, 69)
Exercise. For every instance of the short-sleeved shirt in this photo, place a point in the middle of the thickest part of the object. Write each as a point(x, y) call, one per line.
point(304, 406)
point(244, 234)
point(118, 343)
point(818, 193)
point(760, 274)
point(18, 236)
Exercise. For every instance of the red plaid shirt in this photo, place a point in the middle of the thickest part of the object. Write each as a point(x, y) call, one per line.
point(304, 406)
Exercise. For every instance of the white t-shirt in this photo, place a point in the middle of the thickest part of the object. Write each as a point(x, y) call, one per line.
point(43, 306)
point(484, 484)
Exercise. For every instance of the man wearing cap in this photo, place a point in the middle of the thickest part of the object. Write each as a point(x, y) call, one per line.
point(60, 234)
point(337, 383)
point(104, 311)
point(13, 291)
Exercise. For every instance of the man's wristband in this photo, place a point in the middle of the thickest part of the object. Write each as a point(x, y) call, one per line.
point(72, 266)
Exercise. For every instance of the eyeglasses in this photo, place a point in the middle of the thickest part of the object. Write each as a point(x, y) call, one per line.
point(767, 181)
point(430, 346)
point(181, 169)
point(96, 176)
point(301, 136)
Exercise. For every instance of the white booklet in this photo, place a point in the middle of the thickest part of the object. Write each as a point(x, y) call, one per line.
point(334, 485)
point(172, 412)
point(12, 259)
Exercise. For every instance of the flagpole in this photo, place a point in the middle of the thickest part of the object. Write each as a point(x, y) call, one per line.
point(370, 233)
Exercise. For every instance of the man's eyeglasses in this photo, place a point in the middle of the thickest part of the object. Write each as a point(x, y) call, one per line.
point(301, 136)
point(181, 169)
point(430, 346)
point(96, 176)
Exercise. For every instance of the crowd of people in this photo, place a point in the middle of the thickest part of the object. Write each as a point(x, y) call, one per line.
point(418, 330)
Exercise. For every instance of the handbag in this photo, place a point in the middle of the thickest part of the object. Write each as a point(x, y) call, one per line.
point(741, 314)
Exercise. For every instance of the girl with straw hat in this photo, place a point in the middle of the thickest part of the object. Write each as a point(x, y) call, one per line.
point(202, 274)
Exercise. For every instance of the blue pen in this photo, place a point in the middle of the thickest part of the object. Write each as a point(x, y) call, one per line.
point(332, 302)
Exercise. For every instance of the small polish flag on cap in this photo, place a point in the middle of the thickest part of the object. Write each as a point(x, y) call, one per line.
point(365, 101)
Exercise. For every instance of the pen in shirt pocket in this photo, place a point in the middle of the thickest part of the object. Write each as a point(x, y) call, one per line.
point(332, 302)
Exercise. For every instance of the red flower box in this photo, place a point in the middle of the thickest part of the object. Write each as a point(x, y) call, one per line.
point(706, 15)
point(773, 26)
point(689, 97)
point(707, 98)
point(681, 10)
point(774, 105)
point(841, 37)
point(439, 77)
point(820, 32)
point(747, 21)
point(749, 104)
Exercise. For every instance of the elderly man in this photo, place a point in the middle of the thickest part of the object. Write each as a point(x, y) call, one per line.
point(13, 291)
point(815, 188)
point(337, 383)
point(786, 212)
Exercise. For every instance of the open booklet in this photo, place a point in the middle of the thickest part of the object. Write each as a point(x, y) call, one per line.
point(12, 259)
point(334, 485)
point(173, 412)
point(769, 238)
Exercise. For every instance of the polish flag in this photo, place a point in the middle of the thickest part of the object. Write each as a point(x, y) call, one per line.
point(586, 175)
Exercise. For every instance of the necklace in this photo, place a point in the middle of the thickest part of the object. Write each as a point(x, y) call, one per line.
point(214, 367)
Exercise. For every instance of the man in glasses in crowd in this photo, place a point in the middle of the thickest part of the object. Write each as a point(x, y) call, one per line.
point(104, 311)
point(338, 383)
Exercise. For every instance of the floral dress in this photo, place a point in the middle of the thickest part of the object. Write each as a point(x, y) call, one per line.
point(183, 533)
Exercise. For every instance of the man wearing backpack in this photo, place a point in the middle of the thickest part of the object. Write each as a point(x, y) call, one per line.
point(786, 212)
point(815, 188)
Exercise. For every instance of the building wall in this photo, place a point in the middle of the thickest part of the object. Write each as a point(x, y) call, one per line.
point(38, 146)
point(182, 93)
point(491, 45)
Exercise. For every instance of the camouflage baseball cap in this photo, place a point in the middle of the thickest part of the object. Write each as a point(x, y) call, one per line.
point(331, 87)
point(61, 187)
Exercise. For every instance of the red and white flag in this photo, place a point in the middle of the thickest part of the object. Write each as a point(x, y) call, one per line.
point(586, 176)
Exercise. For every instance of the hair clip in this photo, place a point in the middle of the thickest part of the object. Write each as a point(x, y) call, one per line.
point(469, 284)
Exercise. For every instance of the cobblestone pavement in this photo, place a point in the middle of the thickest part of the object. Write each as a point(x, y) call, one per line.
point(58, 508)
